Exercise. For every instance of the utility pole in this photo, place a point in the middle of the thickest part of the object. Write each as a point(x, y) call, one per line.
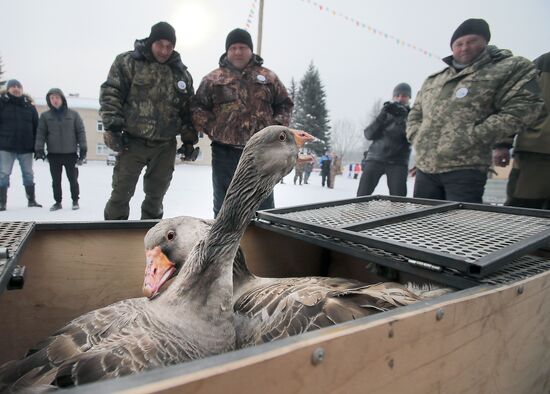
point(260, 26)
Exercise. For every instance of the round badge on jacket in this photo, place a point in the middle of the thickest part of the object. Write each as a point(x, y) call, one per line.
point(462, 92)
point(181, 85)
point(261, 78)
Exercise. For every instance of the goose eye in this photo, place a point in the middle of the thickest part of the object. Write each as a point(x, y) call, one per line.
point(282, 136)
point(171, 235)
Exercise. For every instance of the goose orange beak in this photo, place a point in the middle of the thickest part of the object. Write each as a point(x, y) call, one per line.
point(157, 271)
point(301, 137)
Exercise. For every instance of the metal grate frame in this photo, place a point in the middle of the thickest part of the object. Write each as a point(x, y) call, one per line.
point(472, 238)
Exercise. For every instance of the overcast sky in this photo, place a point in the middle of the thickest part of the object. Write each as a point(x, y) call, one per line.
point(71, 44)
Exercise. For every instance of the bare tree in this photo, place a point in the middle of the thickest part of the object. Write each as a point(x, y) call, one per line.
point(346, 140)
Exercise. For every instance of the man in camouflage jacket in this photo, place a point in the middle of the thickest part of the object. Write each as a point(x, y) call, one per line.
point(144, 106)
point(461, 112)
point(232, 103)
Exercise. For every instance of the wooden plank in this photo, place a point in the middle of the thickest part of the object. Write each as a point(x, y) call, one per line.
point(495, 341)
point(69, 273)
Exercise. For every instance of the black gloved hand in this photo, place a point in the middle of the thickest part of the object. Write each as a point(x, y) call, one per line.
point(189, 153)
point(395, 109)
point(114, 140)
point(39, 154)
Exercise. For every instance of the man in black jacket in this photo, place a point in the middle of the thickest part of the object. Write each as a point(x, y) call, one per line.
point(389, 152)
point(62, 130)
point(18, 122)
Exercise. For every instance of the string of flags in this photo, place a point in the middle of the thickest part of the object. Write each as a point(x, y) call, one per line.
point(251, 13)
point(359, 24)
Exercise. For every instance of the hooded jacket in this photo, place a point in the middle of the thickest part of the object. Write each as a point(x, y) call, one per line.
point(62, 130)
point(458, 116)
point(18, 123)
point(231, 105)
point(148, 99)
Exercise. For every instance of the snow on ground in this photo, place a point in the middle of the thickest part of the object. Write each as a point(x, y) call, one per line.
point(190, 193)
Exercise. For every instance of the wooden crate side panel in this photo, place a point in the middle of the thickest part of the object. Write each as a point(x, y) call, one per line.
point(492, 342)
point(69, 273)
point(270, 254)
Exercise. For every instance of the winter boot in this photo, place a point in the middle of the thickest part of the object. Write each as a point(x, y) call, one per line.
point(31, 198)
point(56, 207)
point(75, 205)
point(3, 198)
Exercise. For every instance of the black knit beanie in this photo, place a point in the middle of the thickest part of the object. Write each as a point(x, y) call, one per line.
point(472, 26)
point(162, 31)
point(403, 88)
point(238, 36)
point(13, 82)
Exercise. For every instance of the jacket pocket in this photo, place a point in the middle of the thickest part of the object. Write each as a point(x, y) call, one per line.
point(224, 93)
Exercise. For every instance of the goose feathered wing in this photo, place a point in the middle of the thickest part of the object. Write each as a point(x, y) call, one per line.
point(276, 308)
point(116, 340)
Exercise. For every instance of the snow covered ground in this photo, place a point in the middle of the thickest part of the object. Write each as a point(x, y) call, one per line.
point(190, 193)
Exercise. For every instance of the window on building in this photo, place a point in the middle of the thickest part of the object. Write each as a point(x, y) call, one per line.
point(100, 126)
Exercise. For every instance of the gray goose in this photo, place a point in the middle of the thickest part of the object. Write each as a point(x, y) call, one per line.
point(192, 319)
point(271, 308)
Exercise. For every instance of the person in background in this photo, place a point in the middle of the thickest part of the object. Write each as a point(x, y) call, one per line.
point(233, 102)
point(389, 152)
point(145, 104)
point(325, 164)
point(299, 172)
point(309, 162)
point(18, 123)
point(356, 170)
point(335, 169)
point(61, 132)
point(483, 96)
point(529, 181)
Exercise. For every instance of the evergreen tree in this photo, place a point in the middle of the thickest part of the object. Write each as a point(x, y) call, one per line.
point(2, 82)
point(292, 92)
point(311, 113)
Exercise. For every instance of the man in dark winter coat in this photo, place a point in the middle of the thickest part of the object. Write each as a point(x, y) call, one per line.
point(18, 123)
point(144, 106)
point(62, 131)
point(460, 114)
point(389, 152)
point(232, 103)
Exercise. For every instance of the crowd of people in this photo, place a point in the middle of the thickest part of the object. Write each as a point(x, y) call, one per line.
point(464, 119)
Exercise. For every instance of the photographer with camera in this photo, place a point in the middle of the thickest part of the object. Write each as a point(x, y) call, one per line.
point(389, 152)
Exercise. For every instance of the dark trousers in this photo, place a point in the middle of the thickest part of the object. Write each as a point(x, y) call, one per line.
point(57, 162)
point(158, 158)
point(224, 163)
point(539, 203)
point(460, 185)
point(325, 178)
point(396, 176)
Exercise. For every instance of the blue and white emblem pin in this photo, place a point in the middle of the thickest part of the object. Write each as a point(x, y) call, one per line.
point(181, 85)
point(261, 78)
point(462, 92)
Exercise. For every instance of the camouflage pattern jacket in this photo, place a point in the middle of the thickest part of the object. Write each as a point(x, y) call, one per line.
point(148, 99)
point(231, 105)
point(537, 140)
point(459, 116)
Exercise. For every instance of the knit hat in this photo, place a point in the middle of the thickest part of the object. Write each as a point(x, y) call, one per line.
point(238, 36)
point(472, 26)
point(403, 88)
point(13, 83)
point(162, 31)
